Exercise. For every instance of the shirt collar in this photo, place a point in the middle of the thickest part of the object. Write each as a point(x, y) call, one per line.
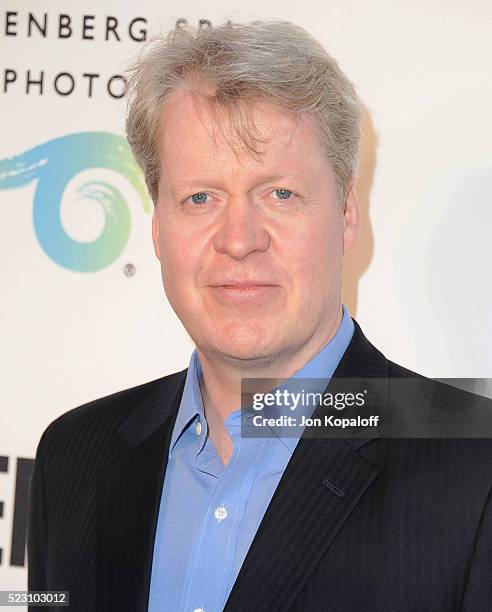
point(321, 366)
point(325, 362)
point(191, 401)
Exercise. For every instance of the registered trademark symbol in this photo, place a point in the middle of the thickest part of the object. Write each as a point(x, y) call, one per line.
point(129, 270)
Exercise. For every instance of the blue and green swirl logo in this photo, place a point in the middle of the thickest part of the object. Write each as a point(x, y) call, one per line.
point(53, 164)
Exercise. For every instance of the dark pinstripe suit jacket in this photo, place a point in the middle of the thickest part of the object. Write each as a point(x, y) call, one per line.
point(407, 526)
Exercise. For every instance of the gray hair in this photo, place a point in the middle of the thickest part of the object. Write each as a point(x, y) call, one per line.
point(275, 61)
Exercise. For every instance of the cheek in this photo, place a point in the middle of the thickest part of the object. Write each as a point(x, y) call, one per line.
point(181, 261)
point(315, 254)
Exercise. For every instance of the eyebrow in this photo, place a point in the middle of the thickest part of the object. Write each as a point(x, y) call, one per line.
point(207, 183)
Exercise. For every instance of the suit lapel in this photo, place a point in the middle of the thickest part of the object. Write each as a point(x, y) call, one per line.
point(322, 484)
point(128, 502)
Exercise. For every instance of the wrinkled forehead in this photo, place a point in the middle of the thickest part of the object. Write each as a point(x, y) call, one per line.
point(193, 121)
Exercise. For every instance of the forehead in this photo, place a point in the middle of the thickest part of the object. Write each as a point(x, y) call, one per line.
point(193, 137)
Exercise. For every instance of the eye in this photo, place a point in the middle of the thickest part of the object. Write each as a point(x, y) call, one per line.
point(283, 194)
point(199, 198)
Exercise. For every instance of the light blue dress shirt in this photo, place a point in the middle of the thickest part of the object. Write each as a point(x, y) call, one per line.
point(209, 513)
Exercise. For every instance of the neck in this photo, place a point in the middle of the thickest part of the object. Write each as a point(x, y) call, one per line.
point(221, 382)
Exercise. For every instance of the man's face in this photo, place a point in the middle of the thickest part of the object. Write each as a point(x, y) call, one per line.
point(250, 248)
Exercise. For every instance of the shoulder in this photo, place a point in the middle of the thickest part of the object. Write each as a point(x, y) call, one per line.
point(452, 393)
point(450, 428)
point(395, 370)
point(93, 427)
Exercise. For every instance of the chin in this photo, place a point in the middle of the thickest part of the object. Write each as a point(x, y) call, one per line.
point(246, 342)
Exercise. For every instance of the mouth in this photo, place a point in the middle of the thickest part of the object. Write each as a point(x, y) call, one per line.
point(244, 292)
point(246, 285)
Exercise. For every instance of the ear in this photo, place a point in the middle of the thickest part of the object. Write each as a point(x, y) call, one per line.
point(351, 221)
point(155, 232)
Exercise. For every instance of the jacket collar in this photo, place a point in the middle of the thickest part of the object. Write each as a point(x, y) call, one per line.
point(361, 360)
point(155, 410)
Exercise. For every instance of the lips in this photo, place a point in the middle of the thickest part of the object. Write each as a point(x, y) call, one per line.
point(242, 282)
point(244, 285)
point(243, 291)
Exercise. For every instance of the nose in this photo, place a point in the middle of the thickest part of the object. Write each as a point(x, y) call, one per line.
point(241, 231)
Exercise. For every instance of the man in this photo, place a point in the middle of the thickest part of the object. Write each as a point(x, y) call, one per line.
point(150, 498)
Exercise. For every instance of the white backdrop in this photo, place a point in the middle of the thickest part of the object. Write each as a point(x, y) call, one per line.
point(417, 281)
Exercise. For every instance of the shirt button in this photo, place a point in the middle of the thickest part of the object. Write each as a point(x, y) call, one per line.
point(220, 513)
point(198, 610)
point(198, 431)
